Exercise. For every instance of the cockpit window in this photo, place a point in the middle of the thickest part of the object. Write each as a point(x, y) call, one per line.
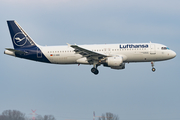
point(164, 48)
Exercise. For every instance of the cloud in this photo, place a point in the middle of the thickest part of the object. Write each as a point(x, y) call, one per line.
point(33, 1)
point(155, 6)
point(164, 6)
point(44, 3)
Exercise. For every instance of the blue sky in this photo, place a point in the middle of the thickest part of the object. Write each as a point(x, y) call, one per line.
point(73, 92)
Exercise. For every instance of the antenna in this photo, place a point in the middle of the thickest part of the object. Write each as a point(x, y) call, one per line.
point(94, 116)
point(33, 114)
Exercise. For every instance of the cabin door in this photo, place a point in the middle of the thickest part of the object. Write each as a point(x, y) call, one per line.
point(39, 53)
point(152, 49)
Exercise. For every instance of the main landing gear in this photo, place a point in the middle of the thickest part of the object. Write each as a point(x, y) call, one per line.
point(94, 69)
point(152, 64)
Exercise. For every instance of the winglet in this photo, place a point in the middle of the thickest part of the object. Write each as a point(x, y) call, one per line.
point(68, 44)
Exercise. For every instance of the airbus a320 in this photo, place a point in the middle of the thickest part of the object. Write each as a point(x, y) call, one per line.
point(114, 56)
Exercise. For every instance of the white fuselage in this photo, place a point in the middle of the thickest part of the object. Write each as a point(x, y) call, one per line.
point(67, 55)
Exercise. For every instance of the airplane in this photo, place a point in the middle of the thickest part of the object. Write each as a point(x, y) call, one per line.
point(114, 56)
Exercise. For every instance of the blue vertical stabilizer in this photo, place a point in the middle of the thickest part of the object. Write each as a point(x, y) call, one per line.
point(19, 37)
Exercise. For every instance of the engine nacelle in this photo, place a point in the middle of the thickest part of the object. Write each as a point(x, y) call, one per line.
point(115, 61)
point(122, 66)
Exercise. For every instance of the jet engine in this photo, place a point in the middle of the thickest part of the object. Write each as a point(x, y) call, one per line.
point(122, 66)
point(115, 62)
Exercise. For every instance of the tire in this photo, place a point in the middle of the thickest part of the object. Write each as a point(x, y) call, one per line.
point(153, 69)
point(95, 71)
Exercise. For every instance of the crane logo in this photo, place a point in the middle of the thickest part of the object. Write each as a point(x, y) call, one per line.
point(19, 39)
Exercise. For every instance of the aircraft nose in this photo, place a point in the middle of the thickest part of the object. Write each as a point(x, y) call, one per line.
point(173, 54)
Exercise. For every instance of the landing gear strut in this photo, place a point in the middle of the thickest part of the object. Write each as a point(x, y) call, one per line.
point(94, 69)
point(152, 64)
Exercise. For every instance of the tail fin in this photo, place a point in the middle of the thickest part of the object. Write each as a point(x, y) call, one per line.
point(19, 37)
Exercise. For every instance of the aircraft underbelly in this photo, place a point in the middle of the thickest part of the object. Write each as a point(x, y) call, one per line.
point(63, 60)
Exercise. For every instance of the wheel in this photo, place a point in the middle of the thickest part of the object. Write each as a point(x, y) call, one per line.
point(95, 71)
point(153, 69)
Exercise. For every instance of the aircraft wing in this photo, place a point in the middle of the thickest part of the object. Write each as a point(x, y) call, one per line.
point(86, 53)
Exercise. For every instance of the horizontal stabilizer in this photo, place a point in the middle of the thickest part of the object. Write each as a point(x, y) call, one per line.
point(16, 51)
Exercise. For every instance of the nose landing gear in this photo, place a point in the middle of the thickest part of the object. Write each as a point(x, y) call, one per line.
point(153, 69)
point(152, 64)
